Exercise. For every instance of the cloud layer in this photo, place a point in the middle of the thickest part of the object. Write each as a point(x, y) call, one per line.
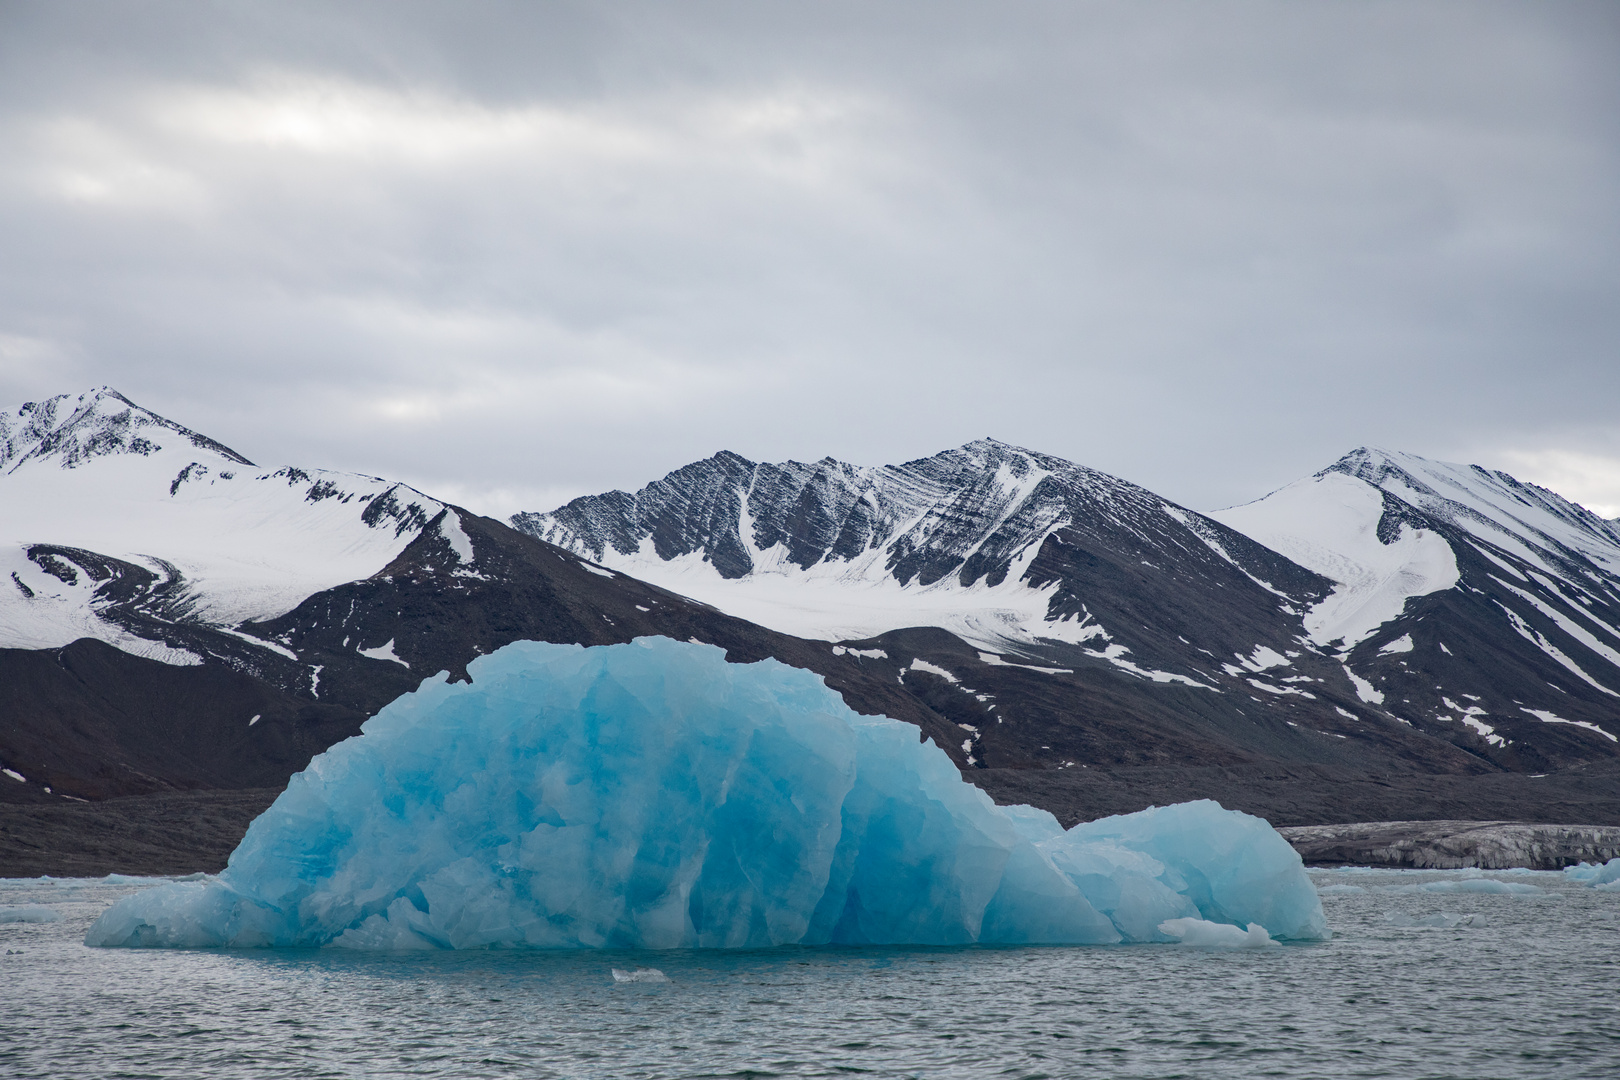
point(513, 253)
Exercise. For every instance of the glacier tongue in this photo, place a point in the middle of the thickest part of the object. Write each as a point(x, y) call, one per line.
point(651, 795)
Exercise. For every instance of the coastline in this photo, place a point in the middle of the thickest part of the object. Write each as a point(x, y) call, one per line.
point(1454, 845)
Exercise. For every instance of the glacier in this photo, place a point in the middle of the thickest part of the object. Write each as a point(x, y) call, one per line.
point(652, 795)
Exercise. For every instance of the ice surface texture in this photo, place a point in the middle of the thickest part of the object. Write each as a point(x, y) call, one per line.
point(28, 913)
point(1212, 935)
point(1595, 874)
point(651, 795)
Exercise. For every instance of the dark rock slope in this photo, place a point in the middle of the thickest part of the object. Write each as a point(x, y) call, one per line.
point(1517, 658)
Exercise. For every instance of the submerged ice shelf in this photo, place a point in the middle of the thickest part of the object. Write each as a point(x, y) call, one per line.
point(651, 795)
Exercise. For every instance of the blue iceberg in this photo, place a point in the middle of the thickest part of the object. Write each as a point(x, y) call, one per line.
point(651, 795)
point(1605, 876)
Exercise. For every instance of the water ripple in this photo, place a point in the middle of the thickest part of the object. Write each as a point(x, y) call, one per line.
point(1533, 990)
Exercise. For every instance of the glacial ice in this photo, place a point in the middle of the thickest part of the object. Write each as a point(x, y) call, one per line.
point(651, 795)
point(1467, 885)
point(1213, 935)
point(1475, 884)
point(646, 975)
point(1443, 920)
point(1595, 874)
point(28, 913)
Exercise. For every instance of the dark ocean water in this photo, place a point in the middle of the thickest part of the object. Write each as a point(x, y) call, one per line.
point(1528, 987)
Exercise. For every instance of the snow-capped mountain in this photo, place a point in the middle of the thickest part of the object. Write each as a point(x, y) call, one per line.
point(1033, 559)
point(1463, 598)
point(1013, 551)
point(114, 516)
point(178, 617)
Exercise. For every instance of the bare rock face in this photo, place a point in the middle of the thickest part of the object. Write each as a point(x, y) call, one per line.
point(1452, 845)
point(1451, 615)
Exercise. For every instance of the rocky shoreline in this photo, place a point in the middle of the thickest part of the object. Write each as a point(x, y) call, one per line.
point(1452, 845)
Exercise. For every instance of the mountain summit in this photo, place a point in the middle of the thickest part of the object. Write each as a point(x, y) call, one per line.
point(1464, 599)
point(1387, 589)
point(72, 430)
point(1008, 548)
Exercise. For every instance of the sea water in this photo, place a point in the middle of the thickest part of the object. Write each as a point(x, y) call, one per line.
point(1428, 974)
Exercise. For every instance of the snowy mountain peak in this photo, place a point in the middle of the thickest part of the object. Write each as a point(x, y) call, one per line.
point(1457, 583)
point(731, 512)
point(157, 501)
point(991, 541)
point(73, 429)
point(1485, 501)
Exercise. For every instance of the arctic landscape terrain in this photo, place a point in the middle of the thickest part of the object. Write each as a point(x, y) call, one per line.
point(764, 757)
point(1390, 639)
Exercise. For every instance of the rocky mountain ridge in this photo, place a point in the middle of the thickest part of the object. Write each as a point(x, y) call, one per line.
point(1304, 603)
point(1464, 600)
point(178, 620)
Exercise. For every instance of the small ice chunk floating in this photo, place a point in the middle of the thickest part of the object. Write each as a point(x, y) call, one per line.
point(651, 795)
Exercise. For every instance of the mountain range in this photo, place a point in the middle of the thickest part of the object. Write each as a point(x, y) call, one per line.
point(1444, 600)
point(1390, 638)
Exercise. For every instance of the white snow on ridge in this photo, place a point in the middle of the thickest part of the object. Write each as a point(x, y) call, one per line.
point(932, 669)
point(250, 542)
point(870, 654)
point(59, 613)
point(1329, 524)
point(1263, 657)
point(252, 546)
point(852, 600)
point(1550, 718)
point(263, 643)
point(1530, 634)
point(1470, 716)
point(986, 499)
point(1568, 625)
point(1520, 518)
point(996, 661)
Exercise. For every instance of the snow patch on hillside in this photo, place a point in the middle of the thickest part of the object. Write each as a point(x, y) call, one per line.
point(856, 599)
point(384, 652)
point(1329, 524)
point(450, 528)
point(1550, 718)
point(1364, 689)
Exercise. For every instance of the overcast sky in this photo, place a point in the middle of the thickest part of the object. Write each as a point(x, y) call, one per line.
point(513, 253)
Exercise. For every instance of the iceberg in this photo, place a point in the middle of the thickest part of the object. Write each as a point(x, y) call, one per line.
point(1212, 935)
point(646, 975)
point(28, 913)
point(1596, 875)
point(651, 795)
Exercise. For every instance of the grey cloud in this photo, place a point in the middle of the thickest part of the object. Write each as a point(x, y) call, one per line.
point(514, 252)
